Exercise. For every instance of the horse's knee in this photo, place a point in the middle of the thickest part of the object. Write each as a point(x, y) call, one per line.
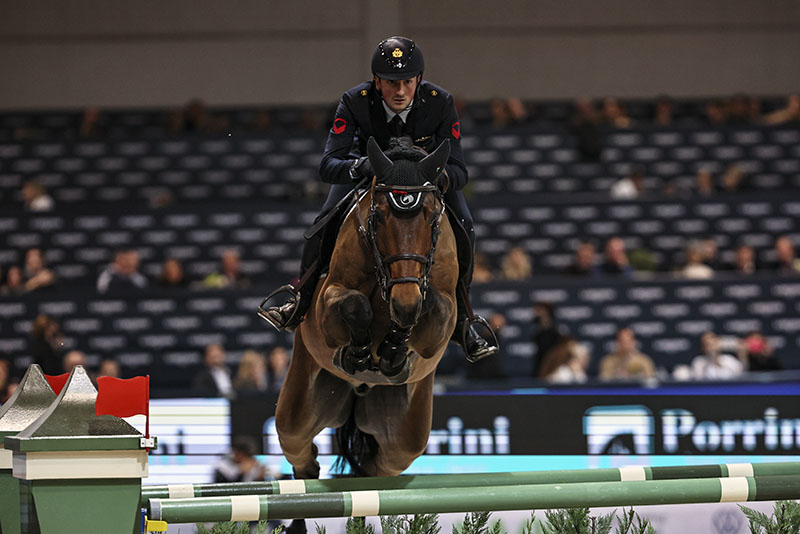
point(355, 310)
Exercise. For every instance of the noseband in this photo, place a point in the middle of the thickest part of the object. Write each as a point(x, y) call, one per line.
point(402, 199)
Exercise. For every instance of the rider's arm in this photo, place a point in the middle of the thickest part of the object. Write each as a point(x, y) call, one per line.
point(450, 128)
point(337, 160)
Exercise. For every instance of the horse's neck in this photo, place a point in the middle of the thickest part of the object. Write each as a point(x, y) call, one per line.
point(351, 253)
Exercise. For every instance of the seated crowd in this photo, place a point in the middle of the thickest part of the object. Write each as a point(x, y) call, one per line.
point(559, 357)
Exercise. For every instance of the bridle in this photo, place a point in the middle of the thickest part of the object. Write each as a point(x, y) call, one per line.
point(404, 199)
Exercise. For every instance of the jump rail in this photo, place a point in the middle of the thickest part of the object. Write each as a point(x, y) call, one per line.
point(622, 474)
point(468, 499)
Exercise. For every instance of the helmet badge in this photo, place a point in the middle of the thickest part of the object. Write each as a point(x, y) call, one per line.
point(397, 53)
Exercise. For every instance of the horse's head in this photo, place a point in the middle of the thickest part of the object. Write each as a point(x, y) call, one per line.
point(405, 212)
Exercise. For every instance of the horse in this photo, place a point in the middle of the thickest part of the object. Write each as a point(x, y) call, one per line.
point(380, 321)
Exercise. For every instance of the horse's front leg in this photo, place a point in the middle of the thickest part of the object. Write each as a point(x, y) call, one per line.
point(393, 351)
point(346, 321)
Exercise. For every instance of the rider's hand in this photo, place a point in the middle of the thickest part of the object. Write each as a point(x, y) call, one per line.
point(361, 168)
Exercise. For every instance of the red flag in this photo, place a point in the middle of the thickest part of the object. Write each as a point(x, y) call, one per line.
point(57, 382)
point(122, 398)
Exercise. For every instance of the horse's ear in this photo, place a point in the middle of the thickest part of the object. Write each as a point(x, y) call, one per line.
point(433, 165)
point(381, 165)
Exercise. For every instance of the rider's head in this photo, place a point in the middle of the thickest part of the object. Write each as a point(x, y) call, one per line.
point(397, 65)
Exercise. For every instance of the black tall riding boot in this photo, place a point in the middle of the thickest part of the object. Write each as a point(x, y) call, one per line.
point(474, 345)
point(290, 314)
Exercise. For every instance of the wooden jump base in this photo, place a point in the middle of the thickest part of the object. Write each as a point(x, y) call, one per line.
point(622, 474)
point(469, 499)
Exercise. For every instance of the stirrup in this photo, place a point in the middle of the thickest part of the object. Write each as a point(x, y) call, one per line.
point(493, 343)
point(263, 311)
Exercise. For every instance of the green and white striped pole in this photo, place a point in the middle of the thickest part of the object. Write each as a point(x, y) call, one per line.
point(469, 499)
point(621, 474)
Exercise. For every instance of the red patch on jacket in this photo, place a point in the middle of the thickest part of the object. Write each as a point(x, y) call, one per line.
point(339, 125)
point(456, 130)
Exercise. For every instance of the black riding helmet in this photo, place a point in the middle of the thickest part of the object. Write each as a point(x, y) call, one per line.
point(397, 58)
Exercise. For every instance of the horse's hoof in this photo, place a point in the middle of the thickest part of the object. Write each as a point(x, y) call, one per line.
point(398, 373)
point(297, 526)
point(356, 359)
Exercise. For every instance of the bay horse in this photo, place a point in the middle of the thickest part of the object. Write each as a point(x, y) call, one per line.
point(365, 356)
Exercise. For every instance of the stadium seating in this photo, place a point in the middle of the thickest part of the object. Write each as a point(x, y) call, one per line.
point(191, 197)
point(164, 332)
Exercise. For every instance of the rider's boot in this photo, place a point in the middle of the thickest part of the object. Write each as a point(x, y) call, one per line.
point(290, 314)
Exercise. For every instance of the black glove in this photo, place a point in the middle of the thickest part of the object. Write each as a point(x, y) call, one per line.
point(361, 168)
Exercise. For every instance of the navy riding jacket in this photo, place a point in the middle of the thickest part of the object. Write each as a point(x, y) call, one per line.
point(361, 114)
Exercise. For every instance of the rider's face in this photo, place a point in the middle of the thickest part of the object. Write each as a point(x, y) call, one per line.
point(397, 94)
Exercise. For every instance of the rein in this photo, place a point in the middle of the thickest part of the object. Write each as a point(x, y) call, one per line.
point(369, 233)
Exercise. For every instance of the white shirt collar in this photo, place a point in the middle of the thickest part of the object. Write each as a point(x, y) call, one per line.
point(390, 114)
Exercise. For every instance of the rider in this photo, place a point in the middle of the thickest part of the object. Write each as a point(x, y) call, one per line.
point(397, 102)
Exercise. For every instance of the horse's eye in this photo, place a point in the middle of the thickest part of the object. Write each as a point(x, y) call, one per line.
point(380, 217)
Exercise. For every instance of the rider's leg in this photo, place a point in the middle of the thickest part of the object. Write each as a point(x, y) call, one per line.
point(290, 314)
point(475, 346)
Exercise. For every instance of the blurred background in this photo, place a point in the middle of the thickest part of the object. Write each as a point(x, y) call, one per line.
point(634, 176)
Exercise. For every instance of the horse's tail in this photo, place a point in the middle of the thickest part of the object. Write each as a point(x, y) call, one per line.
point(356, 448)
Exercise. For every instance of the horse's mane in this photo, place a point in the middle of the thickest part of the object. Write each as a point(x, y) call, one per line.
point(405, 155)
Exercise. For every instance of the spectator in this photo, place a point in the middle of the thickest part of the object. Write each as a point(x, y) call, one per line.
point(787, 262)
point(72, 359)
point(123, 274)
point(704, 183)
point(754, 109)
point(629, 187)
point(196, 118)
point(262, 121)
point(482, 273)
point(616, 258)
point(626, 362)
point(37, 275)
point(501, 116)
point(614, 114)
point(241, 465)
point(716, 112)
point(91, 123)
point(708, 252)
point(109, 367)
point(172, 274)
point(230, 275)
point(757, 351)
point(733, 179)
point(585, 261)
point(516, 265)
point(546, 334)
point(35, 197)
point(739, 110)
point(585, 126)
point(790, 113)
point(5, 380)
point(695, 269)
point(46, 344)
point(566, 363)
point(712, 364)
point(14, 284)
point(251, 375)
point(662, 115)
point(214, 378)
point(744, 260)
point(277, 367)
point(518, 112)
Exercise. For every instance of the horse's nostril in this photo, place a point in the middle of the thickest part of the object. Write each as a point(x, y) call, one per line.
point(405, 313)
